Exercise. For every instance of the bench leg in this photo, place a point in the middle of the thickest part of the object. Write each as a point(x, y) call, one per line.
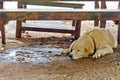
point(74, 23)
point(77, 29)
point(2, 32)
point(102, 23)
point(2, 26)
point(18, 29)
point(103, 6)
point(119, 32)
point(96, 22)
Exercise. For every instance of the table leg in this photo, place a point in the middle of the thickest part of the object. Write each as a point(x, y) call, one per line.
point(2, 31)
point(77, 29)
point(18, 29)
point(96, 22)
point(103, 22)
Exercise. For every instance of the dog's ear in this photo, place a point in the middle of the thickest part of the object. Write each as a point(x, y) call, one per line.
point(71, 46)
point(87, 50)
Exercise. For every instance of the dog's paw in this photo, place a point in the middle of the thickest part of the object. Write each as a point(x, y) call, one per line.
point(98, 55)
point(65, 52)
point(102, 51)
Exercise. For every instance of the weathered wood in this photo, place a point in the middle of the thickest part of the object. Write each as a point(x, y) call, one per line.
point(77, 29)
point(103, 22)
point(96, 22)
point(2, 26)
point(66, 14)
point(47, 30)
point(2, 31)
point(18, 28)
point(19, 22)
point(119, 5)
point(55, 0)
point(1, 6)
point(118, 22)
point(56, 4)
point(74, 23)
point(103, 4)
point(119, 32)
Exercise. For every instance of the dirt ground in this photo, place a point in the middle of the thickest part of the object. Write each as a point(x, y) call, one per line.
point(57, 67)
point(104, 68)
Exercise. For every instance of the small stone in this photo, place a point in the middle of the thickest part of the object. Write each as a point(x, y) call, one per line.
point(70, 77)
point(20, 59)
point(64, 75)
point(49, 51)
point(57, 54)
point(2, 49)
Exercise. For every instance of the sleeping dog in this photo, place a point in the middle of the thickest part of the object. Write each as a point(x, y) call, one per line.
point(96, 43)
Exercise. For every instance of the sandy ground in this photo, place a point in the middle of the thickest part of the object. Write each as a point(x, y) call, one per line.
point(36, 58)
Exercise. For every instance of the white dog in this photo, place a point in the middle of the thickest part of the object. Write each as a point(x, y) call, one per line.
point(96, 43)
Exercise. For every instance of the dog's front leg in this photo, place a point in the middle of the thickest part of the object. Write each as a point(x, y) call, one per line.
point(102, 51)
point(65, 52)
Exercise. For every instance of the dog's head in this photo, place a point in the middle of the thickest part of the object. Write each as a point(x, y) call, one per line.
point(77, 50)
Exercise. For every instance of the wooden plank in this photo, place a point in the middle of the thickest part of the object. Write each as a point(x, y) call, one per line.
point(19, 22)
point(75, 14)
point(77, 29)
point(118, 22)
point(18, 28)
point(56, 4)
point(54, 0)
point(61, 10)
point(119, 5)
point(1, 6)
point(2, 26)
point(96, 22)
point(74, 23)
point(2, 31)
point(47, 30)
point(119, 32)
point(103, 22)
point(71, 0)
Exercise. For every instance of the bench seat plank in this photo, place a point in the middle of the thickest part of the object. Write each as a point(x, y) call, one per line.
point(56, 4)
point(59, 10)
point(60, 14)
point(54, 0)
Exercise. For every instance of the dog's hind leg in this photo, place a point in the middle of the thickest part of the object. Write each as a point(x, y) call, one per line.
point(102, 51)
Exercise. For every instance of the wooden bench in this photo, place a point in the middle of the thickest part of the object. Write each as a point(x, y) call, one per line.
point(23, 3)
point(75, 23)
point(52, 14)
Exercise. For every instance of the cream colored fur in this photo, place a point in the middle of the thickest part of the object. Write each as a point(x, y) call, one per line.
point(96, 42)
